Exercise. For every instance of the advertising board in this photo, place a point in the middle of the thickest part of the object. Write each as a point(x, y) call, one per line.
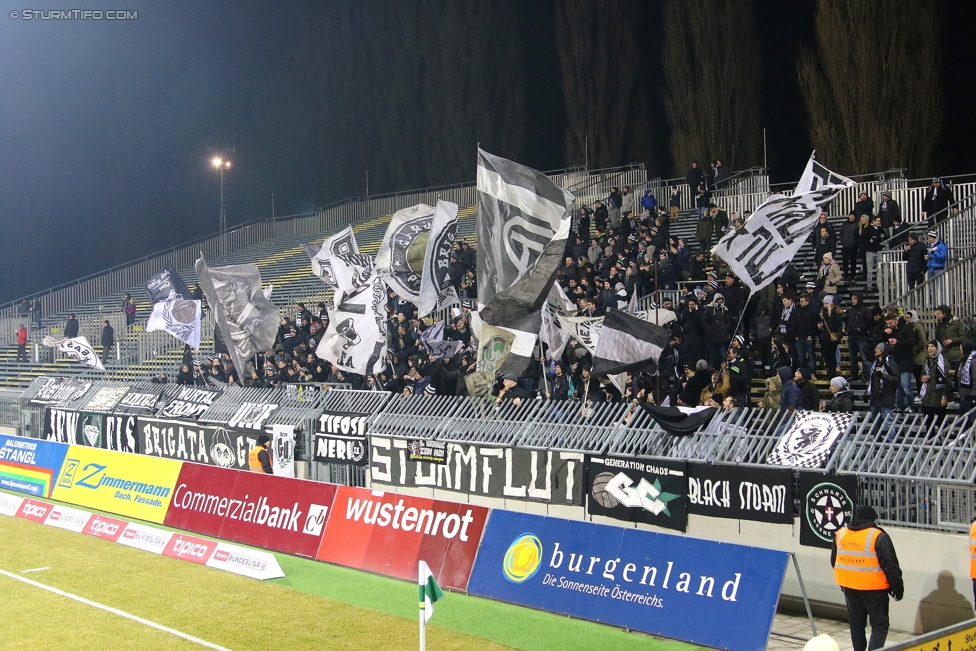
point(131, 485)
point(388, 533)
point(102, 526)
point(30, 465)
point(710, 593)
point(144, 537)
point(65, 517)
point(10, 504)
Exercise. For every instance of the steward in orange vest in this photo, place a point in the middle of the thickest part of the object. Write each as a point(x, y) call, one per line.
point(972, 555)
point(259, 458)
point(866, 568)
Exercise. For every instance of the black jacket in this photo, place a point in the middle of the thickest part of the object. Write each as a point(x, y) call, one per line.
point(884, 383)
point(849, 235)
point(811, 395)
point(871, 239)
point(903, 352)
point(842, 402)
point(71, 328)
point(887, 558)
point(915, 259)
point(889, 211)
point(694, 177)
point(108, 336)
point(807, 319)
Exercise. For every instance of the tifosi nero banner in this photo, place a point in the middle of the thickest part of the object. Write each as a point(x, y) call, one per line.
point(340, 437)
point(509, 473)
point(715, 594)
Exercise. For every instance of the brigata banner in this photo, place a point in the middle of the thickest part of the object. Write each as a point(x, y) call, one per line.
point(30, 465)
point(709, 593)
point(187, 440)
point(124, 484)
point(340, 437)
point(638, 490)
point(388, 533)
point(760, 494)
point(286, 515)
point(509, 473)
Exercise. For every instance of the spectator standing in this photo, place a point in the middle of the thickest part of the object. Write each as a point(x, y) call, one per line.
point(828, 276)
point(864, 205)
point(831, 328)
point(108, 341)
point(857, 321)
point(130, 311)
point(964, 379)
point(614, 201)
point(871, 240)
point(674, 203)
point(720, 175)
point(22, 343)
point(600, 217)
point(649, 201)
point(884, 381)
point(936, 389)
point(937, 199)
point(717, 328)
point(915, 262)
point(703, 198)
point(842, 400)
point(720, 219)
point(950, 332)
point(787, 326)
point(920, 350)
point(790, 396)
point(849, 237)
point(703, 231)
point(806, 333)
point(863, 225)
point(890, 213)
point(71, 327)
point(936, 255)
point(826, 244)
point(627, 205)
point(901, 339)
point(695, 177)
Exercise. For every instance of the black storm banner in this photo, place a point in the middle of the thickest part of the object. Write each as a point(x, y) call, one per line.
point(740, 493)
point(826, 504)
point(340, 437)
point(213, 445)
point(638, 490)
point(508, 473)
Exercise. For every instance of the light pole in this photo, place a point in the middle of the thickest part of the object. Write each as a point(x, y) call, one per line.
point(220, 165)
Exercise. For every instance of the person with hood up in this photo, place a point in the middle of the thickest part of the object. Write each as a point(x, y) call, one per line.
point(885, 378)
point(866, 569)
point(811, 395)
point(717, 328)
point(790, 396)
point(950, 332)
point(783, 354)
point(842, 401)
point(936, 388)
point(965, 376)
point(770, 399)
point(649, 201)
point(920, 350)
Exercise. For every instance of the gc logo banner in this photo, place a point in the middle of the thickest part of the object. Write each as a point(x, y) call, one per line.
point(828, 505)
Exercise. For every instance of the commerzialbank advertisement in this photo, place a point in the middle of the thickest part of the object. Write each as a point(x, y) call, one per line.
point(710, 593)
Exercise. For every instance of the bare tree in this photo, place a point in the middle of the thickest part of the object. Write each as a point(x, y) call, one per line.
point(711, 62)
point(872, 86)
point(598, 56)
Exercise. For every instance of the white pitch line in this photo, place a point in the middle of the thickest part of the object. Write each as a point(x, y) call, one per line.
point(115, 611)
point(36, 569)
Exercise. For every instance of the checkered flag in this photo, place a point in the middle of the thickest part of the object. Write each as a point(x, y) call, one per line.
point(809, 441)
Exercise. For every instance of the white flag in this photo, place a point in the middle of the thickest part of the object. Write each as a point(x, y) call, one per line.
point(436, 292)
point(77, 348)
point(283, 450)
point(338, 262)
point(551, 333)
point(179, 318)
point(429, 590)
point(356, 338)
point(432, 339)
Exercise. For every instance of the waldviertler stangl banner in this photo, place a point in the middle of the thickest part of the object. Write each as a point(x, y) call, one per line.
point(245, 316)
point(77, 348)
point(523, 225)
point(760, 250)
point(339, 263)
point(355, 340)
point(436, 291)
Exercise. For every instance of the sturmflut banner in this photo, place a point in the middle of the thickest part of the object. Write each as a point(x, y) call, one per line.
point(509, 473)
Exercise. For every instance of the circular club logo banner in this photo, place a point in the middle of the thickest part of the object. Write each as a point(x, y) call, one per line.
point(523, 558)
point(828, 508)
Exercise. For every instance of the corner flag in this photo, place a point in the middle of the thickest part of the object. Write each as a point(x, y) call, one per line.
point(429, 593)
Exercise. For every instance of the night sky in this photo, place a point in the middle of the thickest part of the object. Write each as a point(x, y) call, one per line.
point(105, 126)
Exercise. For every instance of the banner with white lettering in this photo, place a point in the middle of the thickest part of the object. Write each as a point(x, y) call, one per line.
point(283, 450)
point(60, 392)
point(509, 473)
point(740, 493)
point(340, 437)
point(60, 425)
point(138, 401)
point(190, 402)
point(185, 440)
point(105, 399)
point(252, 415)
point(652, 491)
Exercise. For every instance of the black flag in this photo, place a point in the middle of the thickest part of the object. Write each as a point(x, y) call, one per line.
point(167, 281)
point(627, 343)
point(677, 421)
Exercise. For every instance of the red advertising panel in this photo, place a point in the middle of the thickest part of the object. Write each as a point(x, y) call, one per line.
point(34, 510)
point(190, 548)
point(265, 511)
point(388, 533)
point(103, 527)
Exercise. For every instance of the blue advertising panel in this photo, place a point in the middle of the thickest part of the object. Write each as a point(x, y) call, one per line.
point(30, 465)
point(710, 593)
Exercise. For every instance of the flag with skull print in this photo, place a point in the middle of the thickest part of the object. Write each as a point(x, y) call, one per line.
point(356, 338)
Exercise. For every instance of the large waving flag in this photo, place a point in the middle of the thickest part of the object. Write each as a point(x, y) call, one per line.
point(355, 340)
point(760, 250)
point(627, 342)
point(77, 348)
point(339, 263)
point(436, 291)
point(400, 258)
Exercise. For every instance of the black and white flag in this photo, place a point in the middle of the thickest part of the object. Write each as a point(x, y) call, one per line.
point(551, 334)
point(758, 251)
point(436, 291)
point(338, 262)
point(810, 439)
point(180, 318)
point(166, 285)
point(523, 225)
point(247, 319)
point(586, 330)
point(355, 340)
point(400, 258)
point(77, 348)
point(432, 339)
point(627, 342)
point(680, 421)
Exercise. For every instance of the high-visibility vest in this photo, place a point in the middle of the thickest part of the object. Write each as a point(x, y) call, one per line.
point(972, 551)
point(253, 461)
point(856, 565)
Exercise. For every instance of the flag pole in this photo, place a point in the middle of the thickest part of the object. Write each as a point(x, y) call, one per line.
point(423, 624)
point(542, 361)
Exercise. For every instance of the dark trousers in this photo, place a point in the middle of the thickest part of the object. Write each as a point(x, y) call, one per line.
point(974, 590)
point(21, 352)
point(865, 605)
point(849, 263)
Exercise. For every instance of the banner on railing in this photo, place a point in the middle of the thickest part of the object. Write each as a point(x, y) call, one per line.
point(714, 594)
point(59, 391)
point(190, 402)
point(740, 493)
point(109, 431)
point(388, 533)
point(105, 399)
point(502, 472)
point(638, 490)
point(826, 504)
point(30, 465)
point(283, 450)
point(185, 440)
point(252, 415)
point(808, 442)
point(340, 437)
point(138, 401)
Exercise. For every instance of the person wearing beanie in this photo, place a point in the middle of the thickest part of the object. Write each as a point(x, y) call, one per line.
point(890, 212)
point(866, 569)
point(885, 378)
point(936, 201)
point(717, 327)
point(259, 458)
point(790, 396)
point(811, 396)
point(510, 391)
point(950, 332)
point(843, 399)
point(936, 388)
point(936, 255)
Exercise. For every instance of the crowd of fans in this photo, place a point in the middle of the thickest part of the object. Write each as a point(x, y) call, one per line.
point(791, 332)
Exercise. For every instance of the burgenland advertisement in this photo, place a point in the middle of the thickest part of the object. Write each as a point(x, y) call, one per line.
point(279, 513)
point(715, 594)
point(30, 465)
point(388, 533)
point(124, 484)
